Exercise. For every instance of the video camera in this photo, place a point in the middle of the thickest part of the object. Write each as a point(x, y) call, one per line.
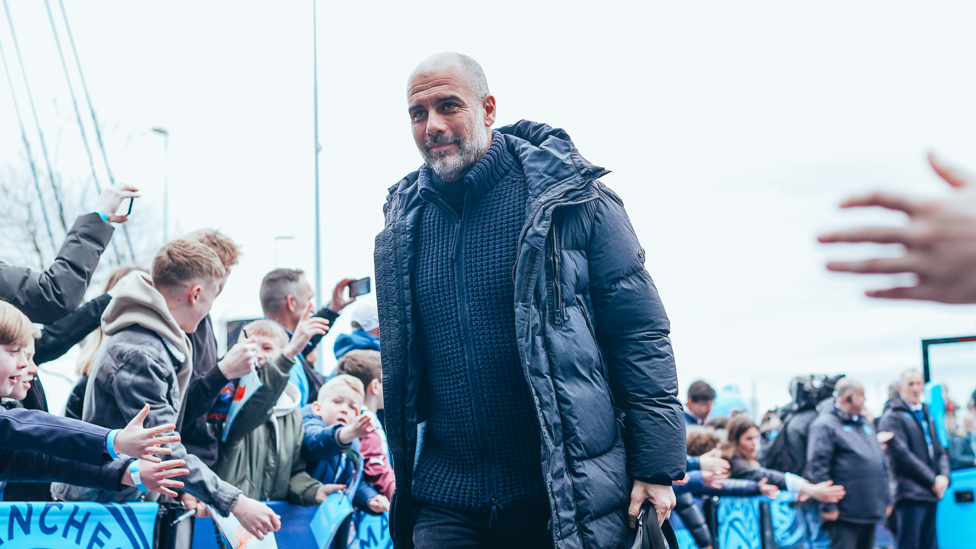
point(809, 391)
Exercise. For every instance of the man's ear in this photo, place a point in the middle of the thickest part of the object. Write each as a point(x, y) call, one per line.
point(193, 293)
point(376, 386)
point(292, 303)
point(489, 105)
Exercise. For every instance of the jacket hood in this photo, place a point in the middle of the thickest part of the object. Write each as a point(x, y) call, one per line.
point(548, 156)
point(289, 401)
point(137, 303)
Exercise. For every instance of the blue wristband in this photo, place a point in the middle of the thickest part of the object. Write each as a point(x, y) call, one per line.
point(136, 477)
point(102, 215)
point(110, 443)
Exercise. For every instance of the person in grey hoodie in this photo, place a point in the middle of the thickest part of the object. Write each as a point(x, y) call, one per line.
point(843, 447)
point(148, 358)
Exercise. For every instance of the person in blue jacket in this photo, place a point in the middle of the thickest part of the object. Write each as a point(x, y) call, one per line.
point(366, 331)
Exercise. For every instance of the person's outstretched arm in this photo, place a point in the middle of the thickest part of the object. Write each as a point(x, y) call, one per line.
point(939, 241)
point(47, 296)
point(58, 338)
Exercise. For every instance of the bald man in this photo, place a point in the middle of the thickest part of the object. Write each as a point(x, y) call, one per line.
point(844, 448)
point(530, 388)
point(921, 464)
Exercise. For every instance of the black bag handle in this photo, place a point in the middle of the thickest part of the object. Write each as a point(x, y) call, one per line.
point(651, 534)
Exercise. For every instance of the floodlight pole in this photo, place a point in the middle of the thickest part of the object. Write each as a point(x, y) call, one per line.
point(318, 229)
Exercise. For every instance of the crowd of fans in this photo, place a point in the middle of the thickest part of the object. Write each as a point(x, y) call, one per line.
point(149, 357)
point(151, 384)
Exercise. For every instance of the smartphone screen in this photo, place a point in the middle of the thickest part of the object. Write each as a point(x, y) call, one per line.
point(360, 287)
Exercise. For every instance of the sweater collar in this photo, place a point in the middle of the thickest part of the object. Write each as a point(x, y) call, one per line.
point(482, 177)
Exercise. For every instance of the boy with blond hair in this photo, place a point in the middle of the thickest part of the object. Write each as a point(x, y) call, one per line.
point(262, 453)
point(148, 358)
point(367, 367)
point(333, 423)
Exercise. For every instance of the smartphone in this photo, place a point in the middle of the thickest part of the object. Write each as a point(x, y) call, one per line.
point(121, 207)
point(360, 287)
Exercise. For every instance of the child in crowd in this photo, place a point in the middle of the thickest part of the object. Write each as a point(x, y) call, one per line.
point(262, 454)
point(367, 368)
point(332, 423)
point(147, 358)
point(38, 447)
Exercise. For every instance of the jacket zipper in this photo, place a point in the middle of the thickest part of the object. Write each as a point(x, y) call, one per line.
point(477, 390)
point(525, 370)
point(557, 285)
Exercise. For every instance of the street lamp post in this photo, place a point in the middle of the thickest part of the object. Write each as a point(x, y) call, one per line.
point(315, 93)
point(276, 240)
point(165, 134)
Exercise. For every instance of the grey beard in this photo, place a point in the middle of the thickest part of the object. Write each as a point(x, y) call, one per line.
point(450, 168)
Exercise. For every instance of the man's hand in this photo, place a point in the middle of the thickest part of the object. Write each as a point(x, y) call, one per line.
point(326, 489)
point(156, 477)
point(191, 502)
point(360, 427)
point(712, 461)
point(240, 359)
point(771, 491)
point(379, 504)
point(256, 517)
point(143, 443)
point(939, 241)
point(830, 516)
point(825, 492)
point(661, 497)
point(112, 198)
point(713, 480)
point(939, 488)
point(307, 327)
point(339, 301)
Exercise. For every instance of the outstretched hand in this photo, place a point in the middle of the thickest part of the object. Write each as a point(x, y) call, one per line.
point(771, 491)
point(340, 301)
point(360, 427)
point(325, 490)
point(308, 327)
point(939, 241)
point(111, 198)
point(142, 443)
point(158, 477)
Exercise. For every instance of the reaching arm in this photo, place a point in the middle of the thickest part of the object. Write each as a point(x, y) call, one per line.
point(20, 466)
point(57, 338)
point(258, 409)
point(33, 430)
point(632, 330)
point(48, 296)
point(139, 383)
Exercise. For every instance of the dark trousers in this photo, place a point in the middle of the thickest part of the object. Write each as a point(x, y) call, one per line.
point(525, 527)
point(850, 535)
point(915, 525)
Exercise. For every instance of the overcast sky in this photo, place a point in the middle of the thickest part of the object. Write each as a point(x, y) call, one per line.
point(732, 132)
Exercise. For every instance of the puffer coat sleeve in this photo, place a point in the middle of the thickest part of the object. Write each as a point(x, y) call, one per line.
point(632, 330)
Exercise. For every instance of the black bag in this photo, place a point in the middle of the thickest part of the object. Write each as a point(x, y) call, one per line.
point(650, 534)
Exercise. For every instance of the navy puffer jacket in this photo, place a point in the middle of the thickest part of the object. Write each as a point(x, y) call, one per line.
point(592, 336)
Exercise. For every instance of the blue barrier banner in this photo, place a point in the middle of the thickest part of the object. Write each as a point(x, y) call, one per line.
point(738, 523)
point(373, 531)
point(66, 525)
point(788, 528)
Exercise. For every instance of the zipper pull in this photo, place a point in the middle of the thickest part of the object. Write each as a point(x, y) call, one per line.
point(493, 516)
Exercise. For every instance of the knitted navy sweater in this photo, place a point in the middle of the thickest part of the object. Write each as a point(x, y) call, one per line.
point(481, 444)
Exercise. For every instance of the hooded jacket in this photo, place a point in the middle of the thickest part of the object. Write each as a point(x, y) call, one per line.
point(147, 358)
point(592, 337)
point(846, 450)
point(265, 461)
point(914, 467)
point(322, 452)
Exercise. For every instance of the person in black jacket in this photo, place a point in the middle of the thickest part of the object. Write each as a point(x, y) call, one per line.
point(844, 447)
point(921, 468)
point(50, 295)
point(518, 321)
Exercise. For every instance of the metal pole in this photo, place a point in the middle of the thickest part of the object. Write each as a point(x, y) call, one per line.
point(318, 230)
point(165, 133)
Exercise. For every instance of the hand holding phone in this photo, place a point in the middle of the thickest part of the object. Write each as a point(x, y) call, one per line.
point(360, 287)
